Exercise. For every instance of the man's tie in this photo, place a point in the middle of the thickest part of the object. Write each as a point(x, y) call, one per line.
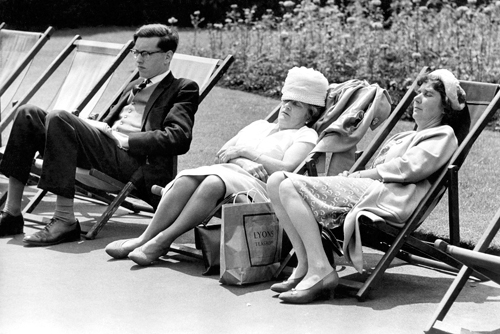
point(137, 88)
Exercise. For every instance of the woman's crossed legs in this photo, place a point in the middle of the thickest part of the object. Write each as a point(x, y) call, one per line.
point(302, 229)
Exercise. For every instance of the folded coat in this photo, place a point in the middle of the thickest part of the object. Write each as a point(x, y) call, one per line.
point(351, 108)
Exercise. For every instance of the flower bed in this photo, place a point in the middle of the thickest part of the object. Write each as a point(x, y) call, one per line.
point(356, 41)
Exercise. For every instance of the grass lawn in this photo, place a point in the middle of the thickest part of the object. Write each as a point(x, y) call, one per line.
point(226, 111)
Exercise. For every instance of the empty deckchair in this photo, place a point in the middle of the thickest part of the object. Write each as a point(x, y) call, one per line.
point(91, 64)
point(17, 51)
point(206, 72)
point(473, 260)
point(351, 108)
point(483, 100)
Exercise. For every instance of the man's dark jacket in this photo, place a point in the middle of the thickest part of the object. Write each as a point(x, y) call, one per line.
point(166, 132)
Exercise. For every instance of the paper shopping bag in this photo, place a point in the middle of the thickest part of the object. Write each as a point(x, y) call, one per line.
point(250, 243)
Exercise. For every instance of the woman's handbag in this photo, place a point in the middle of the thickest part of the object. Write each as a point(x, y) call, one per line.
point(207, 238)
point(250, 243)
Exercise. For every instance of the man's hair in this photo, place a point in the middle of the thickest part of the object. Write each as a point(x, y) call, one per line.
point(169, 38)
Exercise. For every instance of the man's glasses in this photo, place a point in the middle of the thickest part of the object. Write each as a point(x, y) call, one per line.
point(144, 54)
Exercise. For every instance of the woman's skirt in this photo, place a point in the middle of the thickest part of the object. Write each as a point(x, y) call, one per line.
point(331, 197)
point(235, 178)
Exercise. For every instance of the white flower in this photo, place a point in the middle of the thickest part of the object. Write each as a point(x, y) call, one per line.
point(351, 20)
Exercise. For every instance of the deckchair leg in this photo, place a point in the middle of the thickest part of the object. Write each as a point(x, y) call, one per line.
point(374, 278)
point(459, 282)
point(454, 218)
point(283, 264)
point(3, 198)
point(110, 210)
point(34, 201)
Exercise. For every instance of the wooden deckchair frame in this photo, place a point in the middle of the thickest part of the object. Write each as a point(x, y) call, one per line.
point(120, 51)
point(473, 260)
point(22, 67)
point(402, 244)
point(419, 252)
point(74, 43)
point(43, 38)
point(125, 189)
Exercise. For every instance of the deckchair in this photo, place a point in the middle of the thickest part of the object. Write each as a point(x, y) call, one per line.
point(483, 100)
point(473, 260)
point(91, 65)
point(351, 109)
point(17, 51)
point(204, 71)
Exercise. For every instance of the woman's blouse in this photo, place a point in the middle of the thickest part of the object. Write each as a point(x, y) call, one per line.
point(265, 137)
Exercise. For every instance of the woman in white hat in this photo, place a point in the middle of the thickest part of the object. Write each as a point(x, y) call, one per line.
point(381, 192)
point(243, 163)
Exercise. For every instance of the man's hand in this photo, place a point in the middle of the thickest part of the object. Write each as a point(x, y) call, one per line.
point(120, 139)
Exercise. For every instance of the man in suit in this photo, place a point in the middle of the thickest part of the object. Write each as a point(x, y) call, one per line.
point(143, 133)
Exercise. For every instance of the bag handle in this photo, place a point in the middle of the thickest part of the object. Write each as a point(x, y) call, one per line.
point(247, 193)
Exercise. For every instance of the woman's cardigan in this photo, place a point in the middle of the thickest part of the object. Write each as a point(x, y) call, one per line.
point(410, 160)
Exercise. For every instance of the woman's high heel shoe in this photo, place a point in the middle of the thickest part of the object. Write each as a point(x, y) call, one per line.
point(323, 289)
point(287, 285)
point(143, 259)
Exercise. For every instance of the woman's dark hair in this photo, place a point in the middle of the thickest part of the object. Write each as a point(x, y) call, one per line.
point(169, 38)
point(459, 120)
point(314, 112)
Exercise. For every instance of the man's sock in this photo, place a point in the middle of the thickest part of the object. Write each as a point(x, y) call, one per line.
point(14, 197)
point(64, 210)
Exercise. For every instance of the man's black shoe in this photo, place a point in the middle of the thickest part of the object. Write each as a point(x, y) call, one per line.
point(10, 225)
point(54, 233)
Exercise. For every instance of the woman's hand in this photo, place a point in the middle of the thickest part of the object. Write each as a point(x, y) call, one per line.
point(229, 153)
point(367, 174)
point(255, 169)
point(356, 175)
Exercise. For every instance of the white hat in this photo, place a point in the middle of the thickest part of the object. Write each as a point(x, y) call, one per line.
point(305, 85)
point(451, 87)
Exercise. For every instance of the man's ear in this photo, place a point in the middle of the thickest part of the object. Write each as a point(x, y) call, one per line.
point(168, 56)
